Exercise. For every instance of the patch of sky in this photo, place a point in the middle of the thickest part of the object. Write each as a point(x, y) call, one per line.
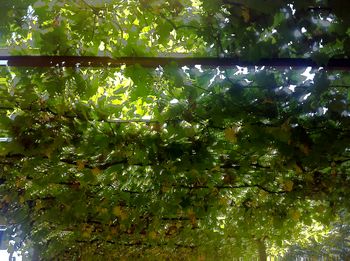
point(308, 75)
point(199, 67)
point(5, 139)
point(174, 101)
point(241, 70)
point(291, 6)
point(30, 14)
point(292, 87)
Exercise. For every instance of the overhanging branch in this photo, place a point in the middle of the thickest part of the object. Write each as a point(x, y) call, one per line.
point(98, 61)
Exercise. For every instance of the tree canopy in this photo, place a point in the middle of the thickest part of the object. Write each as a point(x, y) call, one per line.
point(173, 161)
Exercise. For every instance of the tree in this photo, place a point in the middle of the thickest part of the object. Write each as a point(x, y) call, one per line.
point(183, 162)
point(334, 244)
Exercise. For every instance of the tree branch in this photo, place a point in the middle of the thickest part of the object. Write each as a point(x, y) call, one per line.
point(153, 62)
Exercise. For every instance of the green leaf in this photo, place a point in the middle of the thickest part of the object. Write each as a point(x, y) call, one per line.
point(163, 30)
point(320, 58)
point(142, 80)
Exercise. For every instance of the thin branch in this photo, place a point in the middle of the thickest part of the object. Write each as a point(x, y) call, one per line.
point(94, 28)
point(131, 121)
point(270, 191)
point(245, 185)
point(136, 244)
point(176, 27)
point(104, 166)
point(93, 8)
point(180, 186)
point(218, 187)
point(319, 8)
point(48, 110)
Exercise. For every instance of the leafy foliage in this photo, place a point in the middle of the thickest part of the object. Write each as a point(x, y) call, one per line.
point(184, 163)
point(335, 244)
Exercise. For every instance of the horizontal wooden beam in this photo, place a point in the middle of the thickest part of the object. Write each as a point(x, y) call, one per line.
point(98, 61)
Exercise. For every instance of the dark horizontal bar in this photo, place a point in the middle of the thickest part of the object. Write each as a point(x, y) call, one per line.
point(97, 61)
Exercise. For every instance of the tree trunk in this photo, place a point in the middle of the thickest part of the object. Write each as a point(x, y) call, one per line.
point(261, 249)
point(35, 256)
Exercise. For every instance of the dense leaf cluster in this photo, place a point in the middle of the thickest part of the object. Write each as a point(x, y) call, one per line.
point(183, 163)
